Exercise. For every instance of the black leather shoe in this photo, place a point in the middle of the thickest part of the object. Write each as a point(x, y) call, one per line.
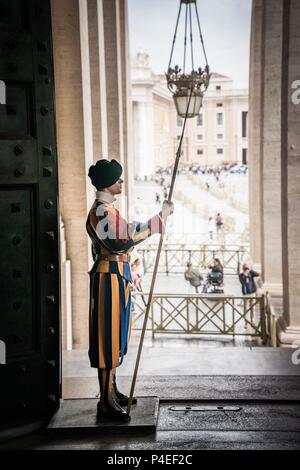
point(115, 413)
point(122, 400)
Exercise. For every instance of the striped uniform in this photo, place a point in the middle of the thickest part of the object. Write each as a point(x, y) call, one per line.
point(110, 289)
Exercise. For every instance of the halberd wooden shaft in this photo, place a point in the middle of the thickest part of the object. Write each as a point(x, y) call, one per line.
point(174, 174)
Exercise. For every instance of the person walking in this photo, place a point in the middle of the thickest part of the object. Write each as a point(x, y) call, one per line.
point(219, 225)
point(219, 221)
point(211, 228)
point(113, 239)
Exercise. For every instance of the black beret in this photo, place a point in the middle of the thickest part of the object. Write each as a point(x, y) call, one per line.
point(105, 173)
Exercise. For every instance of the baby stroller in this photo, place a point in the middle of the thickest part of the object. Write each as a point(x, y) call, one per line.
point(214, 283)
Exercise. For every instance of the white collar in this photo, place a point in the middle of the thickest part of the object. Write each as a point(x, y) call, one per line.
point(105, 197)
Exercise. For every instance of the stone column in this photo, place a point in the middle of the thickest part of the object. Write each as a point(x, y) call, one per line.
point(94, 47)
point(71, 118)
point(66, 293)
point(126, 98)
point(255, 133)
point(144, 137)
point(92, 105)
point(289, 324)
point(117, 88)
point(110, 89)
point(143, 96)
point(265, 142)
point(271, 148)
point(86, 102)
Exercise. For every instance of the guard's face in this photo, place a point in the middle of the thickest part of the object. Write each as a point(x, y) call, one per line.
point(116, 188)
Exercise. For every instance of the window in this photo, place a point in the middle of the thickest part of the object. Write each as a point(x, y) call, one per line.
point(219, 105)
point(245, 157)
point(220, 151)
point(179, 121)
point(220, 136)
point(199, 151)
point(244, 123)
point(199, 136)
point(220, 119)
point(178, 137)
point(200, 120)
point(218, 87)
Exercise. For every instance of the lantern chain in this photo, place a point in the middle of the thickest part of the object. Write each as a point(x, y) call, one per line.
point(201, 37)
point(174, 38)
point(185, 36)
point(191, 36)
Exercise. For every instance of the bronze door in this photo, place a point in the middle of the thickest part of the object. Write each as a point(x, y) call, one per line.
point(29, 244)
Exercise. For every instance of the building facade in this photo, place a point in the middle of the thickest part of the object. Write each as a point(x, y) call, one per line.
point(218, 135)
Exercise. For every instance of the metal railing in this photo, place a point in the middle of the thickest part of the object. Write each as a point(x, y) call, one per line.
point(207, 314)
point(192, 239)
point(175, 257)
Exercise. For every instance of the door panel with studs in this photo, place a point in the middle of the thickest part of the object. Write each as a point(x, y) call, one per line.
point(29, 262)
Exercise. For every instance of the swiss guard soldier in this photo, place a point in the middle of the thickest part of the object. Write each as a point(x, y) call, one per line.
point(113, 238)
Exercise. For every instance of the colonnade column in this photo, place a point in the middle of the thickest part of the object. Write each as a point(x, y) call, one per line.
point(117, 85)
point(91, 60)
point(271, 148)
point(289, 324)
point(72, 147)
point(255, 134)
point(265, 142)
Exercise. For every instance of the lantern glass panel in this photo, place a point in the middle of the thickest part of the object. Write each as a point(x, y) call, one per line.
point(181, 103)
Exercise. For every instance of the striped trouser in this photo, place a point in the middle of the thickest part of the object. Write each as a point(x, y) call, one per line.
point(109, 319)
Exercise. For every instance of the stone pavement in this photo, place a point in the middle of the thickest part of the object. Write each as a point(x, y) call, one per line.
point(261, 384)
point(236, 412)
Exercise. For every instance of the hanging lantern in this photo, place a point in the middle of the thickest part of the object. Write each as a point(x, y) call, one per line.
point(188, 88)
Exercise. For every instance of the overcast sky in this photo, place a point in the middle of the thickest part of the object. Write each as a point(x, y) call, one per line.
point(225, 28)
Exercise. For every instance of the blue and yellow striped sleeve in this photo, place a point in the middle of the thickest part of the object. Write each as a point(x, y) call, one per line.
point(119, 235)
